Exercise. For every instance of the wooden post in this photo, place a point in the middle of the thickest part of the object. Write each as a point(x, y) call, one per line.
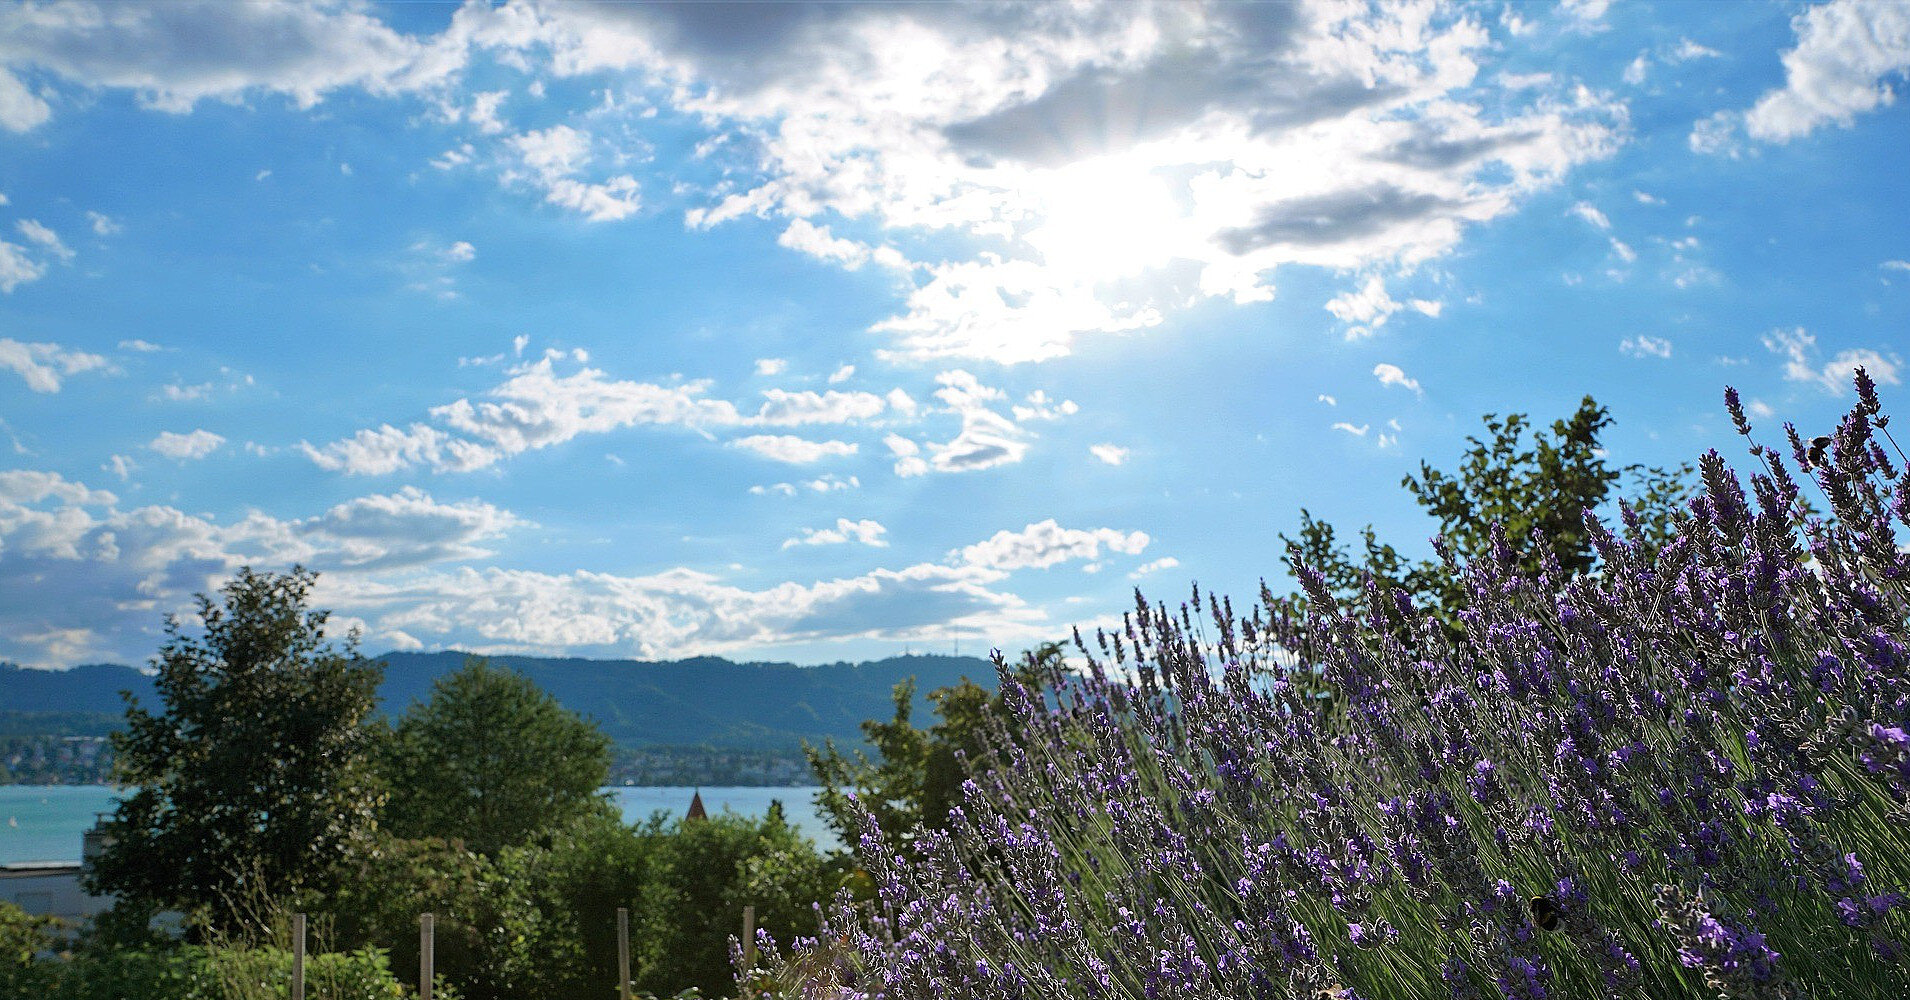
point(298, 956)
point(749, 944)
point(623, 953)
point(426, 961)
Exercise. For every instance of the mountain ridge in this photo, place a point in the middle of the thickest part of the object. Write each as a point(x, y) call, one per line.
point(702, 701)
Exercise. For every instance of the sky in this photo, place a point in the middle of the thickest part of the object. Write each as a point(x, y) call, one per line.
point(828, 332)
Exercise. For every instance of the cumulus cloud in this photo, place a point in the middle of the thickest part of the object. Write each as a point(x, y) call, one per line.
point(45, 238)
point(141, 346)
point(1153, 566)
point(1847, 53)
point(1643, 346)
point(186, 447)
point(1046, 543)
point(1802, 362)
point(863, 532)
point(43, 365)
point(20, 109)
point(1330, 130)
point(84, 578)
point(1390, 374)
point(1111, 454)
point(555, 160)
point(792, 449)
point(1590, 213)
point(538, 406)
point(987, 437)
point(1357, 430)
point(771, 366)
point(174, 55)
point(18, 267)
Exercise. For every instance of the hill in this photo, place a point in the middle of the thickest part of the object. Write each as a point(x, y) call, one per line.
point(705, 701)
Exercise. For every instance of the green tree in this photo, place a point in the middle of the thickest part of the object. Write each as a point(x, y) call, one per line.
point(250, 778)
point(916, 776)
point(702, 874)
point(492, 760)
point(1544, 483)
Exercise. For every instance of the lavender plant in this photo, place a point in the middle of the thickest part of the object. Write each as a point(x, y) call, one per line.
point(1685, 774)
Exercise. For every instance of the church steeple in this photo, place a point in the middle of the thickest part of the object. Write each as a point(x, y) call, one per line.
point(696, 806)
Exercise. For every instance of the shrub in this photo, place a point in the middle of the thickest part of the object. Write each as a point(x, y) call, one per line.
point(1685, 774)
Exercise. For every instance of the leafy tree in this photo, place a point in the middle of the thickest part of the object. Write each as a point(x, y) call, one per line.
point(917, 775)
point(1544, 484)
point(703, 873)
point(492, 760)
point(250, 778)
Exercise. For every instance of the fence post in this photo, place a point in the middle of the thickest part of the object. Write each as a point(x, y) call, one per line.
point(298, 956)
point(425, 959)
point(749, 944)
point(623, 953)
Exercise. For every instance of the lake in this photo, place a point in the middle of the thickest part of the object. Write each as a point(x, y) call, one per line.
point(44, 822)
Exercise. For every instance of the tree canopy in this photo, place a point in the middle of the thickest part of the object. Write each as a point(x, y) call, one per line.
point(492, 760)
point(249, 777)
point(1510, 483)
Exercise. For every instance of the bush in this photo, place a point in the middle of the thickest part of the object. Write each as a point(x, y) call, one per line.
point(1683, 775)
point(195, 972)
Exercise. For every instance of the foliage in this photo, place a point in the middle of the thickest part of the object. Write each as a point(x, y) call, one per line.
point(492, 760)
point(489, 936)
point(591, 868)
point(1536, 493)
point(702, 874)
point(217, 972)
point(917, 774)
point(250, 775)
point(1685, 775)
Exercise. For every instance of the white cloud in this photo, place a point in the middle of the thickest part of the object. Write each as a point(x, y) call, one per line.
point(1328, 400)
point(174, 55)
point(1153, 566)
point(1644, 198)
point(17, 268)
point(863, 532)
point(1847, 52)
point(1895, 265)
point(1760, 409)
point(20, 109)
point(184, 447)
point(460, 252)
point(101, 577)
point(804, 236)
point(1046, 543)
point(103, 224)
point(44, 365)
point(1272, 135)
point(1802, 364)
point(792, 449)
point(553, 159)
point(1111, 454)
point(178, 392)
point(830, 483)
point(1623, 250)
point(1590, 213)
point(908, 456)
point(1037, 406)
point(142, 346)
point(1644, 346)
point(1364, 310)
point(842, 374)
point(784, 408)
point(535, 408)
point(121, 466)
point(44, 238)
point(1390, 374)
point(1357, 430)
point(771, 366)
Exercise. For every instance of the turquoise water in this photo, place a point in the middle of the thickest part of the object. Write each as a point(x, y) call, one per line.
point(44, 822)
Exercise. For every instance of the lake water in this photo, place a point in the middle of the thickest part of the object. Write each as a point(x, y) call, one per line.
point(44, 822)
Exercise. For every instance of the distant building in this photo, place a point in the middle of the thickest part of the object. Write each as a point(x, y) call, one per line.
point(696, 806)
point(52, 888)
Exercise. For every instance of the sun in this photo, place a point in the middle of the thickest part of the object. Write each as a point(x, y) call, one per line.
point(1105, 218)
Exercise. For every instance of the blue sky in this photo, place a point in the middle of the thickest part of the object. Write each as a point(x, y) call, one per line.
point(822, 332)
